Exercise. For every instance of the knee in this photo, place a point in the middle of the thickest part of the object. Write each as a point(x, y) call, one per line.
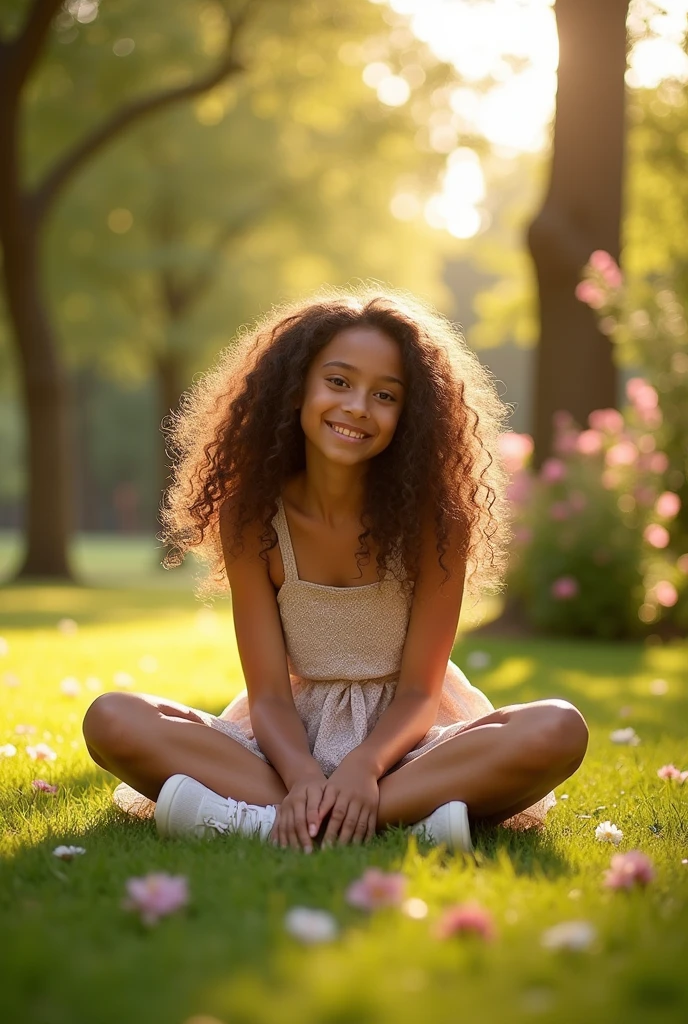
point(560, 734)
point(107, 725)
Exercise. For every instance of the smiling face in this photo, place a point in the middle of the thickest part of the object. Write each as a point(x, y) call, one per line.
point(353, 395)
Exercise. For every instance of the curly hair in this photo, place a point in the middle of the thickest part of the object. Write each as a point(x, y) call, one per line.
point(237, 439)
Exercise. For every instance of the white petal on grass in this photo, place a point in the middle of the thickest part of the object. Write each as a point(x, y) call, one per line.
point(572, 935)
point(627, 737)
point(415, 908)
point(311, 926)
point(123, 680)
point(8, 750)
point(70, 686)
point(608, 833)
point(478, 659)
point(68, 852)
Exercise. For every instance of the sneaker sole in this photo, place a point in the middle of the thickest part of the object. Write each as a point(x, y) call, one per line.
point(164, 802)
point(459, 829)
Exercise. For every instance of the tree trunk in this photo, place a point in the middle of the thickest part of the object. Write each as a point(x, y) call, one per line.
point(581, 212)
point(48, 504)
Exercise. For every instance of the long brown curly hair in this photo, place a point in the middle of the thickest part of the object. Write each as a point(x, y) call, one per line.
point(237, 439)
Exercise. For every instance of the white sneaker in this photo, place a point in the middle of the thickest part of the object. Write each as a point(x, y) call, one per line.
point(449, 825)
point(186, 807)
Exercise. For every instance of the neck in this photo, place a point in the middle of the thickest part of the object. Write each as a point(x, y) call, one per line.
point(329, 491)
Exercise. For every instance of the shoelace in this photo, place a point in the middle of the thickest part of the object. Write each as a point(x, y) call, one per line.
point(243, 815)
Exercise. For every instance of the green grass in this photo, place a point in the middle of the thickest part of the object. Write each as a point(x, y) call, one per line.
point(71, 954)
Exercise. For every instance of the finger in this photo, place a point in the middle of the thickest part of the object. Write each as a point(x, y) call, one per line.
point(372, 827)
point(361, 830)
point(285, 819)
point(301, 826)
point(353, 813)
point(327, 802)
point(336, 821)
point(294, 842)
point(313, 817)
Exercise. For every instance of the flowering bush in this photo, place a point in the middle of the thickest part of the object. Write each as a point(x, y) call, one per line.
point(599, 544)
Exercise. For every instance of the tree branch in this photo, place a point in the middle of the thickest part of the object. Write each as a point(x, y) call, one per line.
point(65, 168)
point(23, 51)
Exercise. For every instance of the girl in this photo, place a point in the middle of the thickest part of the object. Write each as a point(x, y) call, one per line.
point(339, 471)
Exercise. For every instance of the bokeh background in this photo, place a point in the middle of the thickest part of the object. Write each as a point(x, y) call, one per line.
point(172, 170)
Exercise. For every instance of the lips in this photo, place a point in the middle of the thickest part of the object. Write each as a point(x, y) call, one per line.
point(347, 437)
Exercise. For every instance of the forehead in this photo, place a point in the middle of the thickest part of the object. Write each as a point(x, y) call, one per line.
point(368, 349)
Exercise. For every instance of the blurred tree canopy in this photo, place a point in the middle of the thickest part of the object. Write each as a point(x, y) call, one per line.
point(275, 177)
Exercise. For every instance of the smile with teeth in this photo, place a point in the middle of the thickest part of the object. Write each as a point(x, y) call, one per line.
point(355, 435)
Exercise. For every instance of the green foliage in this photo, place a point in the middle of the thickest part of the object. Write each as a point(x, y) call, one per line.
point(71, 952)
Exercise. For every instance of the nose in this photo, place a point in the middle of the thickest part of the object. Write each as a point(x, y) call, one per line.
point(355, 403)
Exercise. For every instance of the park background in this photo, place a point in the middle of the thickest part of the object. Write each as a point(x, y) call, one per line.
point(170, 172)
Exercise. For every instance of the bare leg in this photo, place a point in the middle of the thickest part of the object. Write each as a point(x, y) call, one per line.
point(144, 740)
point(499, 765)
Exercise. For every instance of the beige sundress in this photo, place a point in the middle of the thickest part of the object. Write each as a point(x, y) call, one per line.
point(344, 648)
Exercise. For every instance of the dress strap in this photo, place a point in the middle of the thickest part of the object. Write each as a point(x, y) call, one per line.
point(284, 537)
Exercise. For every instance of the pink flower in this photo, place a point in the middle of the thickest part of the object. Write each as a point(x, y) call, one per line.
point(376, 889)
point(658, 462)
point(156, 895)
point(466, 919)
point(644, 496)
point(682, 564)
point(41, 752)
point(566, 442)
point(519, 489)
point(589, 442)
point(666, 593)
point(44, 786)
point(655, 535)
point(610, 479)
point(624, 453)
point(671, 772)
point(668, 505)
point(523, 534)
point(629, 869)
point(515, 450)
point(564, 588)
point(609, 421)
point(591, 294)
point(607, 267)
point(553, 471)
point(578, 501)
point(559, 511)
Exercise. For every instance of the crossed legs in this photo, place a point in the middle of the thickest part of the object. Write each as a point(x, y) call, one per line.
point(498, 765)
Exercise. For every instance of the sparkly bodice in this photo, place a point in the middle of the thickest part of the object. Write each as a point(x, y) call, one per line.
point(339, 633)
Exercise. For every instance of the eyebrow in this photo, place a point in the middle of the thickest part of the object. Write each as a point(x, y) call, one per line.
point(348, 366)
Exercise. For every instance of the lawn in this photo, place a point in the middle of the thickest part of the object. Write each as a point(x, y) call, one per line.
point(73, 955)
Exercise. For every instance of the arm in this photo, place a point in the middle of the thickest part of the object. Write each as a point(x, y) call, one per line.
point(279, 731)
point(412, 711)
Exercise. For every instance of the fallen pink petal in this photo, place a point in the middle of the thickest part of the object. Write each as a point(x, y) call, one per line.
point(156, 895)
point(43, 786)
point(628, 870)
point(670, 772)
point(466, 919)
point(376, 889)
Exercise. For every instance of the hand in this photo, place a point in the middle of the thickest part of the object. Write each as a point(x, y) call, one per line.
point(298, 820)
point(351, 799)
